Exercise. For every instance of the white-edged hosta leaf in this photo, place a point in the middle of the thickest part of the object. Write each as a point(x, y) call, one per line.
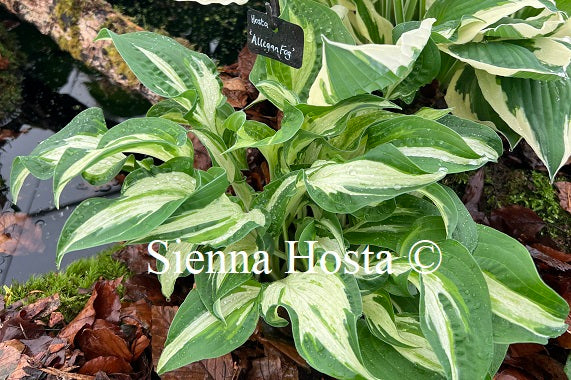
point(536, 110)
point(316, 20)
point(323, 308)
point(366, 68)
point(196, 334)
point(143, 205)
point(218, 224)
point(460, 22)
point(456, 315)
point(363, 21)
point(213, 286)
point(277, 93)
point(525, 309)
point(468, 102)
point(381, 174)
point(386, 363)
point(155, 137)
point(432, 145)
point(515, 28)
point(510, 60)
point(83, 132)
point(169, 69)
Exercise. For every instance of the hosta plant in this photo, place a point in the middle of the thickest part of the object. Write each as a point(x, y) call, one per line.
point(349, 172)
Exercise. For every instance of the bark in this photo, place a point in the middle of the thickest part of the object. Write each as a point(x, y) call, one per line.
point(73, 24)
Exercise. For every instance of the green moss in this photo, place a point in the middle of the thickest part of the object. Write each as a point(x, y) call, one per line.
point(81, 274)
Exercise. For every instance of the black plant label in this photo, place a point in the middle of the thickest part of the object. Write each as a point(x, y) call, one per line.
point(284, 43)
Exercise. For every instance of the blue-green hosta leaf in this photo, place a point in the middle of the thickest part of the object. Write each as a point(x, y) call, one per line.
point(456, 315)
point(366, 68)
point(460, 22)
point(213, 286)
point(381, 174)
point(169, 69)
point(316, 20)
point(543, 118)
point(525, 309)
point(323, 309)
point(385, 362)
point(468, 102)
point(155, 137)
point(196, 334)
point(218, 224)
point(545, 59)
point(83, 132)
point(432, 145)
point(143, 205)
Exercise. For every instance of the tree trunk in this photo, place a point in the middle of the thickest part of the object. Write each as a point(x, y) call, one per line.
point(73, 24)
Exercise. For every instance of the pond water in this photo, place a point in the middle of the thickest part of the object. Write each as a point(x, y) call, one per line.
point(55, 88)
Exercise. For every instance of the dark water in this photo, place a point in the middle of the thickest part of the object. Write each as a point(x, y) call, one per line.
point(55, 89)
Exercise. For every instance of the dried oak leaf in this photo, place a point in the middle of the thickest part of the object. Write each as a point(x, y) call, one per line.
point(564, 195)
point(19, 235)
point(107, 364)
point(42, 307)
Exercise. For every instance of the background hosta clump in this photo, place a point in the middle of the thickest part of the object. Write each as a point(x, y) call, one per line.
point(348, 169)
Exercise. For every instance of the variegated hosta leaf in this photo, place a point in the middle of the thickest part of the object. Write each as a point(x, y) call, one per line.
point(388, 232)
point(83, 132)
point(169, 69)
point(403, 333)
point(218, 224)
point(227, 274)
point(316, 20)
point(363, 21)
point(385, 362)
point(144, 204)
point(155, 137)
point(543, 118)
point(456, 315)
point(425, 69)
point(196, 334)
point(544, 59)
point(323, 308)
point(169, 277)
point(460, 22)
point(525, 309)
point(468, 102)
point(280, 198)
point(516, 28)
point(366, 68)
point(381, 174)
point(432, 145)
point(459, 223)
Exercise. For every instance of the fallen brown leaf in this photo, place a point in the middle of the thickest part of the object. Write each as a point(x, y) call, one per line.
point(517, 221)
point(564, 195)
point(42, 307)
point(107, 364)
point(103, 342)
